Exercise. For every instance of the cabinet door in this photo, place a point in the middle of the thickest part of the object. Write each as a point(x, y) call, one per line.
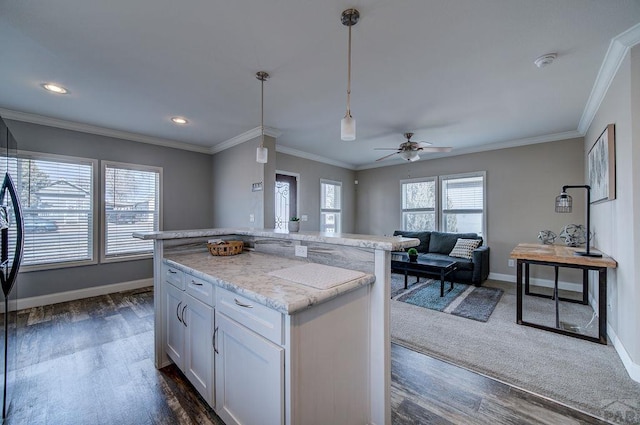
point(198, 355)
point(249, 376)
point(174, 327)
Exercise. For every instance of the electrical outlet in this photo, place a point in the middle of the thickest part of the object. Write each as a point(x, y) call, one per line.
point(301, 251)
point(252, 218)
point(304, 217)
point(512, 262)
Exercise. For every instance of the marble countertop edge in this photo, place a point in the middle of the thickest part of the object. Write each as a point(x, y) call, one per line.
point(385, 243)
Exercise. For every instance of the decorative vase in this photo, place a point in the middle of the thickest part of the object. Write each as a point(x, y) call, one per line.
point(294, 226)
point(413, 258)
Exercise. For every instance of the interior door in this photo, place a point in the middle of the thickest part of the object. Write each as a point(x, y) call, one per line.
point(286, 200)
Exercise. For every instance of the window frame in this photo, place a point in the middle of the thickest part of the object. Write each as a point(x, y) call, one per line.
point(436, 202)
point(94, 235)
point(103, 208)
point(331, 210)
point(439, 210)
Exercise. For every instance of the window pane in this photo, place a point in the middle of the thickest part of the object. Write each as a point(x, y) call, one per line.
point(330, 196)
point(131, 205)
point(330, 222)
point(463, 223)
point(419, 221)
point(462, 193)
point(282, 205)
point(419, 195)
point(56, 198)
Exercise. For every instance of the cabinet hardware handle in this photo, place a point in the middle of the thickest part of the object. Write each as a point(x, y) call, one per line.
point(213, 340)
point(171, 271)
point(196, 283)
point(177, 312)
point(242, 304)
point(184, 321)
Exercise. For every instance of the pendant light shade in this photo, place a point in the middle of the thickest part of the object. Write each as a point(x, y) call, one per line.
point(262, 153)
point(349, 18)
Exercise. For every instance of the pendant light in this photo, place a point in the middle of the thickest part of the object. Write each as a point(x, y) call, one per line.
point(349, 18)
point(261, 152)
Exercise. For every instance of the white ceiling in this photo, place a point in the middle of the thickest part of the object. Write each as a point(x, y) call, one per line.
point(457, 73)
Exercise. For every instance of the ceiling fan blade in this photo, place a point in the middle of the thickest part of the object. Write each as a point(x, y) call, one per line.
point(386, 156)
point(386, 149)
point(424, 144)
point(435, 149)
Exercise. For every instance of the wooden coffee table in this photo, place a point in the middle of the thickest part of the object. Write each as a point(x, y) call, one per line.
point(423, 267)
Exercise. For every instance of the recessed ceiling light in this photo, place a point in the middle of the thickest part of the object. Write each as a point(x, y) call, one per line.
point(55, 88)
point(179, 120)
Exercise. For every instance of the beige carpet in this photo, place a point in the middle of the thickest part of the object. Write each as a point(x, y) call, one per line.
point(581, 374)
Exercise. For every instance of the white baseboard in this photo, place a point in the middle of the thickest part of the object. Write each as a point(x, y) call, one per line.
point(546, 283)
point(633, 369)
point(60, 297)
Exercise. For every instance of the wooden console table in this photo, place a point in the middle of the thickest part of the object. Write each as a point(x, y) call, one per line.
point(562, 256)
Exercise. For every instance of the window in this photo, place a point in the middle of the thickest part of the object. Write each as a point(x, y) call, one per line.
point(131, 204)
point(463, 203)
point(56, 194)
point(453, 203)
point(419, 204)
point(330, 206)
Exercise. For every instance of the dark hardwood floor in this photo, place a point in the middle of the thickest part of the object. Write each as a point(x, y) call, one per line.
point(91, 362)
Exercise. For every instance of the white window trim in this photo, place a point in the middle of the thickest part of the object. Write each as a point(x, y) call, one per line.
point(435, 207)
point(95, 236)
point(331, 210)
point(103, 219)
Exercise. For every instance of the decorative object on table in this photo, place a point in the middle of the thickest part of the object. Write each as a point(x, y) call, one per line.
point(413, 254)
point(564, 204)
point(602, 166)
point(294, 224)
point(219, 247)
point(476, 303)
point(573, 234)
point(547, 237)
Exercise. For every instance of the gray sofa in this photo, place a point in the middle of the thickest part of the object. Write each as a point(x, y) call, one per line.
point(438, 245)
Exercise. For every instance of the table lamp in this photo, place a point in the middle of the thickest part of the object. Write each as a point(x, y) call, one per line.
point(564, 204)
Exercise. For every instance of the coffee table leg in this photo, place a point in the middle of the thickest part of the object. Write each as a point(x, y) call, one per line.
point(442, 283)
point(405, 279)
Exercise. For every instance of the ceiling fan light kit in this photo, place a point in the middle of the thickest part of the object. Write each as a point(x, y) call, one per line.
point(262, 153)
point(349, 18)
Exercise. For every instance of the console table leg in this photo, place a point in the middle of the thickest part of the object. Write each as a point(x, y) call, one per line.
point(556, 296)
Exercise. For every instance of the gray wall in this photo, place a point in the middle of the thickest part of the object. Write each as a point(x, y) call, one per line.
point(617, 222)
point(187, 198)
point(233, 172)
point(309, 194)
point(522, 184)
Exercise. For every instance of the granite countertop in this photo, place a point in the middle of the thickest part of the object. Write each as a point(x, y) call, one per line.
point(247, 274)
point(385, 243)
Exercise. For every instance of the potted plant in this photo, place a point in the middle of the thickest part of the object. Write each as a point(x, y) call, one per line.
point(294, 224)
point(413, 254)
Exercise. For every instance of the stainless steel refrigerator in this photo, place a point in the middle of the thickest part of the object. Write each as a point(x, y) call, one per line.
point(11, 249)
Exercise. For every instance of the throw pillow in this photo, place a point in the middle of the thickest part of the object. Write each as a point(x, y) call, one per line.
point(464, 248)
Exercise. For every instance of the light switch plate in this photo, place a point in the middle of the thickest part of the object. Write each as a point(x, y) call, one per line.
point(304, 217)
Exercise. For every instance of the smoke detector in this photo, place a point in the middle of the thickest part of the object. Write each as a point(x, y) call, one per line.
point(545, 60)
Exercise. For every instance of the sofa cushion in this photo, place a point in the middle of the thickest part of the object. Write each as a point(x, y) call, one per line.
point(463, 263)
point(464, 248)
point(443, 243)
point(423, 236)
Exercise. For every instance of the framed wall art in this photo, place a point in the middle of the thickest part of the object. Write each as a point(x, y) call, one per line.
point(602, 166)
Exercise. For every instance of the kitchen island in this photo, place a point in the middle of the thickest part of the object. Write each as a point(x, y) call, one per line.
point(269, 336)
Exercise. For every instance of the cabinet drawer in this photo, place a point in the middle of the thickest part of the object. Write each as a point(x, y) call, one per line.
point(255, 316)
point(173, 276)
point(200, 289)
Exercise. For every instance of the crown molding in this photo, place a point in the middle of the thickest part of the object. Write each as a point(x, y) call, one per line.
point(100, 131)
point(618, 49)
point(555, 137)
point(244, 137)
point(313, 157)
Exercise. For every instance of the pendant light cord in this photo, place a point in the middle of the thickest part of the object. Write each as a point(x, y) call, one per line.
point(262, 112)
point(349, 76)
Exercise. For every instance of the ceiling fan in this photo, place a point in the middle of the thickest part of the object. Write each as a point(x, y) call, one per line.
point(409, 150)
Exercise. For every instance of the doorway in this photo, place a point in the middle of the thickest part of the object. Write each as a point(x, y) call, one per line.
point(286, 199)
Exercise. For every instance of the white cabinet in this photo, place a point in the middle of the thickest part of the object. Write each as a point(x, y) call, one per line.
point(249, 376)
point(189, 325)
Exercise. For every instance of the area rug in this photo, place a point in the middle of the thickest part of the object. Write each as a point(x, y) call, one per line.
point(476, 303)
